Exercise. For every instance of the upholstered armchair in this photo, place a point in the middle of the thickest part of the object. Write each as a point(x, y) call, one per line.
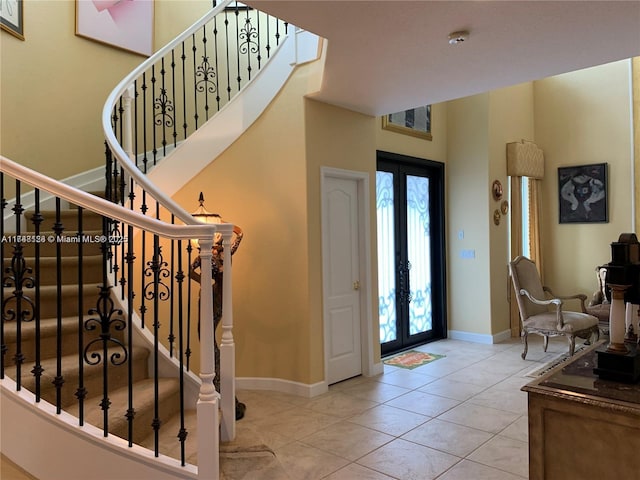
point(600, 304)
point(541, 311)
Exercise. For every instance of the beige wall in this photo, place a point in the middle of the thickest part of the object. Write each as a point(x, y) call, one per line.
point(54, 84)
point(582, 118)
point(510, 120)
point(265, 192)
point(468, 211)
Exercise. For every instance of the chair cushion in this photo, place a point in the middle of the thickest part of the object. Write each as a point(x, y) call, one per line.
point(573, 321)
point(601, 311)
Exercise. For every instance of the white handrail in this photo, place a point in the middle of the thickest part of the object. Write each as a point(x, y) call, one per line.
point(117, 92)
point(197, 230)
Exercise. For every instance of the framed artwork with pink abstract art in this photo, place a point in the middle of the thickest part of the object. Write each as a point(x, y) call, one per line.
point(125, 24)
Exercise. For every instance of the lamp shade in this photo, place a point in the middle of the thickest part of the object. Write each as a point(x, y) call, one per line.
point(205, 216)
point(525, 159)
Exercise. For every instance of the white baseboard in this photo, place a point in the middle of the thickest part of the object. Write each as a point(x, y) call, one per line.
point(480, 337)
point(280, 385)
point(378, 369)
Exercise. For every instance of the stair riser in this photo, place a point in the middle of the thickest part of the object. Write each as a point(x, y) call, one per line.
point(117, 377)
point(48, 339)
point(68, 219)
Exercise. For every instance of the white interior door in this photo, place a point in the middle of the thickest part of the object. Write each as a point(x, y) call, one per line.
point(343, 346)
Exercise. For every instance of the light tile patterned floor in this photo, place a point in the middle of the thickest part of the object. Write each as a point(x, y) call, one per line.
point(460, 417)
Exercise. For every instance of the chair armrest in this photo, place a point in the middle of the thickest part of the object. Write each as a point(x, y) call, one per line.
point(578, 296)
point(552, 301)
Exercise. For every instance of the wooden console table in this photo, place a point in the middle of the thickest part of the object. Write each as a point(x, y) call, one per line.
point(582, 427)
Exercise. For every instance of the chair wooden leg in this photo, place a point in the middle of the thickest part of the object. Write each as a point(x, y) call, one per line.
point(526, 343)
point(546, 342)
point(572, 345)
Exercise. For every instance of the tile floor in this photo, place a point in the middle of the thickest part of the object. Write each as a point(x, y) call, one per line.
point(459, 417)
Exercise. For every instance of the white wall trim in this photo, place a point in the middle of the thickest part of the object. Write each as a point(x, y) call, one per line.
point(281, 385)
point(480, 337)
point(366, 313)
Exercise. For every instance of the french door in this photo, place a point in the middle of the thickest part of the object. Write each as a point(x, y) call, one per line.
point(411, 265)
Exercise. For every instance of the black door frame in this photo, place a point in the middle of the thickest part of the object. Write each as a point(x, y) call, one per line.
point(400, 166)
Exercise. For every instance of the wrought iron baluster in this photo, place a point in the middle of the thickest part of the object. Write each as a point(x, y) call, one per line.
point(108, 320)
point(187, 352)
point(228, 59)
point(172, 337)
point(216, 55)
point(130, 257)
point(183, 57)
point(37, 370)
point(145, 144)
point(174, 133)
point(81, 392)
point(194, 51)
point(237, 40)
point(58, 381)
point(182, 433)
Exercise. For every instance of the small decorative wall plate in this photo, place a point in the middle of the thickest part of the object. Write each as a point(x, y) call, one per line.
point(496, 190)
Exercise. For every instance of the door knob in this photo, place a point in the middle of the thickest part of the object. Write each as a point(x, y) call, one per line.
point(356, 285)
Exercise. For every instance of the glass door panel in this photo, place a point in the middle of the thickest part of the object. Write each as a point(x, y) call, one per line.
point(419, 257)
point(386, 257)
point(410, 234)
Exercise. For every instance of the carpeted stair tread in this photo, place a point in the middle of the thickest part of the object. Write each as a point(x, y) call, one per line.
point(169, 444)
point(91, 269)
point(144, 397)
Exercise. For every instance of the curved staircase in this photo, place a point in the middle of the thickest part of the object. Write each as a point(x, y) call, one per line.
point(89, 358)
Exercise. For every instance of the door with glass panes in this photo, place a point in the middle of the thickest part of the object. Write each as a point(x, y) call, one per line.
point(411, 266)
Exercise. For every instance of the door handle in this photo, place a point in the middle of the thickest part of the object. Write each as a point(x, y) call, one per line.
point(356, 285)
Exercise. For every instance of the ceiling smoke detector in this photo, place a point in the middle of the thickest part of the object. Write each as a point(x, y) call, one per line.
point(456, 38)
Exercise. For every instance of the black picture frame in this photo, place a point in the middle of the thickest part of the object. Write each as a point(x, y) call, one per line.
point(11, 17)
point(582, 193)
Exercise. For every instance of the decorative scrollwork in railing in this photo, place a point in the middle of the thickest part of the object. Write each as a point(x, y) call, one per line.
point(248, 38)
point(205, 73)
point(157, 269)
point(19, 277)
point(106, 322)
point(165, 107)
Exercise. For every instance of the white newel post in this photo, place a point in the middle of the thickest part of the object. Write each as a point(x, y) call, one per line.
point(208, 398)
point(127, 122)
point(227, 345)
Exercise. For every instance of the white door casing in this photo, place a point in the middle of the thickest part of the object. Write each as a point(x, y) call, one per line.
point(346, 275)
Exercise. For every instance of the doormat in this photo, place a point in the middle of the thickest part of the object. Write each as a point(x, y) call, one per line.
point(412, 359)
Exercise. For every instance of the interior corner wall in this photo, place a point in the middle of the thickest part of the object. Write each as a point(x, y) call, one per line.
point(468, 187)
point(582, 118)
point(510, 120)
point(54, 84)
point(260, 184)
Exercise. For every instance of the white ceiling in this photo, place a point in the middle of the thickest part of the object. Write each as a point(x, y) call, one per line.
point(390, 55)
